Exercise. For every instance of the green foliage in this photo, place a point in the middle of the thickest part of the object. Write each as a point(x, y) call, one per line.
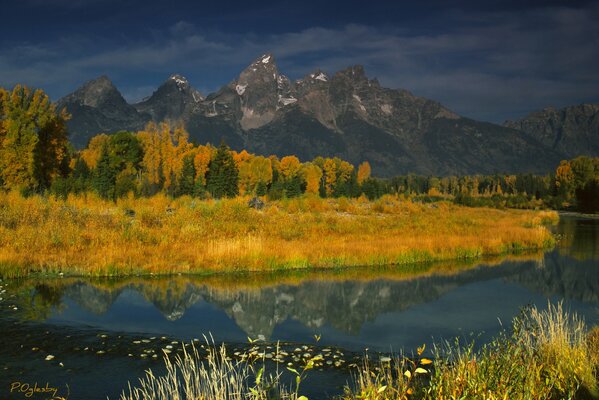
point(124, 184)
point(104, 178)
point(373, 188)
point(293, 187)
point(33, 140)
point(222, 177)
point(125, 150)
point(261, 189)
point(186, 184)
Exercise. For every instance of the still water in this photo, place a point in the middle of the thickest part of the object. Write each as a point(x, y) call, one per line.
point(101, 332)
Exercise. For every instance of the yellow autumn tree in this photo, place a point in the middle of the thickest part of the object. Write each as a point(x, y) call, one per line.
point(258, 171)
point(312, 175)
point(289, 167)
point(363, 172)
point(33, 139)
point(150, 140)
point(175, 147)
point(201, 161)
point(344, 170)
point(241, 157)
point(91, 154)
point(564, 177)
point(165, 148)
point(330, 175)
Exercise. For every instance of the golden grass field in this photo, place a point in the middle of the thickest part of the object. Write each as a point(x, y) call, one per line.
point(85, 235)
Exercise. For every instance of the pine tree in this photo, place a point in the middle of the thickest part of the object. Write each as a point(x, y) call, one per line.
point(104, 176)
point(293, 187)
point(186, 184)
point(261, 189)
point(222, 177)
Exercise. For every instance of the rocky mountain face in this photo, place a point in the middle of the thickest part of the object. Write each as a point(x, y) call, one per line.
point(346, 115)
point(174, 100)
point(99, 107)
point(572, 131)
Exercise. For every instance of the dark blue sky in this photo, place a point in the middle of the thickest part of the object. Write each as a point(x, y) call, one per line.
point(489, 60)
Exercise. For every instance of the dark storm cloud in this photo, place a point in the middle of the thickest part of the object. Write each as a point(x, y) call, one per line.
point(490, 63)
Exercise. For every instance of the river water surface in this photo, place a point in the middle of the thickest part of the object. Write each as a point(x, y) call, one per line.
point(103, 333)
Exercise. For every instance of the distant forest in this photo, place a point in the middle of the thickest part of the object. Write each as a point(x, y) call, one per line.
point(36, 157)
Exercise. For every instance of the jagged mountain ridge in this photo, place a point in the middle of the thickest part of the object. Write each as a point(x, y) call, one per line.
point(99, 107)
point(571, 130)
point(175, 100)
point(346, 115)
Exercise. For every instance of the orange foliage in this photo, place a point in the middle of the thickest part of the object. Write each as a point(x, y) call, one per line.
point(290, 167)
point(312, 174)
point(91, 154)
point(363, 172)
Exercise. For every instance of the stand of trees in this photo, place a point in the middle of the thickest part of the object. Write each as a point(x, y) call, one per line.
point(35, 157)
point(33, 140)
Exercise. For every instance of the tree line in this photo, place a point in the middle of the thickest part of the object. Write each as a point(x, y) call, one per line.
point(35, 156)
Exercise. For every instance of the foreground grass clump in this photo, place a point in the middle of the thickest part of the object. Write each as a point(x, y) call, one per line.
point(216, 377)
point(85, 235)
point(549, 355)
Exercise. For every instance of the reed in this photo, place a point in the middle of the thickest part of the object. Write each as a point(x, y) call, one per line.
point(549, 355)
point(84, 235)
point(214, 377)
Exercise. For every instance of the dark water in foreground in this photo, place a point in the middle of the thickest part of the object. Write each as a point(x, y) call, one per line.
point(99, 329)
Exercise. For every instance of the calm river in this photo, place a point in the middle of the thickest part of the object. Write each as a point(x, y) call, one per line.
point(102, 333)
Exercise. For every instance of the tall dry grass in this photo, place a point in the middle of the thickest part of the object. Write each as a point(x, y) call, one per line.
point(549, 355)
point(88, 236)
point(214, 377)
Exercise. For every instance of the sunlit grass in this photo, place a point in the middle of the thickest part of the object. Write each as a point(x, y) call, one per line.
point(213, 377)
point(549, 355)
point(88, 236)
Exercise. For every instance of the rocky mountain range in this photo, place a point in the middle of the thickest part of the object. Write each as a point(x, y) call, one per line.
point(346, 115)
point(572, 131)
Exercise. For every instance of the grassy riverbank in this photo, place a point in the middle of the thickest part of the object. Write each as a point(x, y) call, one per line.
point(549, 354)
point(88, 236)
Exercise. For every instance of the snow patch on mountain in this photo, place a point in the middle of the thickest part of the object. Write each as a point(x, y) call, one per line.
point(321, 77)
point(387, 109)
point(240, 89)
point(359, 100)
point(180, 81)
point(287, 100)
point(196, 96)
point(266, 60)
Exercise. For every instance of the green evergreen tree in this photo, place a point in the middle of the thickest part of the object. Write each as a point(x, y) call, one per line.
point(261, 189)
point(293, 187)
point(222, 176)
point(104, 176)
point(186, 184)
point(125, 150)
point(124, 184)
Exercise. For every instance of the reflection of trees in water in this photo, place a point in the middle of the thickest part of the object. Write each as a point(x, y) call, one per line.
point(343, 299)
point(38, 302)
point(343, 304)
point(564, 277)
point(579, 238)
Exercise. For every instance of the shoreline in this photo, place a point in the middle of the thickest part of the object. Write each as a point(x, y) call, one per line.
point(161, 236)
point(577, 214)
point(387, 271)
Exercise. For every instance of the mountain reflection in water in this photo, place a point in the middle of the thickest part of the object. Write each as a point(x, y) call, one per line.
point(351, 307)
